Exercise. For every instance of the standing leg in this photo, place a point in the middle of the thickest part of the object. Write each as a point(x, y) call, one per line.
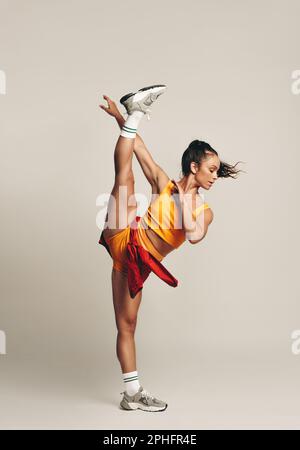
point(126, 310)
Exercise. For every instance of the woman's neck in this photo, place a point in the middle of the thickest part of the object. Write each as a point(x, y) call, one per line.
point(188, 185)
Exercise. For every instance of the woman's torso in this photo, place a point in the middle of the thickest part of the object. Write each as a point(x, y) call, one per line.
point(177, 237)
point(161, 246)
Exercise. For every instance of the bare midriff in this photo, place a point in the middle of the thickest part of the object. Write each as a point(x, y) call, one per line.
point(161, 246)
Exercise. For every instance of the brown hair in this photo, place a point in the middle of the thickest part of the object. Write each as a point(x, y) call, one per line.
point(197, 152)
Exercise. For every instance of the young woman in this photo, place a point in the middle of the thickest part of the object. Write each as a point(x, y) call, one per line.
point(137, 245)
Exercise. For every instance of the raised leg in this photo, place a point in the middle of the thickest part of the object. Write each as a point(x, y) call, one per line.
point(144, 157)
point(126, 310)
point(122, 205)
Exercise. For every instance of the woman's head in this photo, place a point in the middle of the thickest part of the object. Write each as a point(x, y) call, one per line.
point(201, 160)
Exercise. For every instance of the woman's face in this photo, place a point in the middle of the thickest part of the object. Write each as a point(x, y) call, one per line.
point(206, 173)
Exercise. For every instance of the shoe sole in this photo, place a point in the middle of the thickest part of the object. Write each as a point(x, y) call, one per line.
point(151, 87)
point(135, 406)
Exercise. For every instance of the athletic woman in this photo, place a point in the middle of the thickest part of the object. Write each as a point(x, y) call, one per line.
point(136, 244)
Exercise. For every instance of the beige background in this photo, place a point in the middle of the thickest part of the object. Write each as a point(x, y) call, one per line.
point(218, 347)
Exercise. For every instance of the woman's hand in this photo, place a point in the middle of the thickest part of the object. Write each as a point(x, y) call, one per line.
point(112, 108)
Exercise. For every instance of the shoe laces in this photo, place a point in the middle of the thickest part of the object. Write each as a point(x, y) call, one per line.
point(147, 394)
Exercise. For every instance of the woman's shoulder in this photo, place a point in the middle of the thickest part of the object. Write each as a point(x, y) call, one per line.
point(162, 182)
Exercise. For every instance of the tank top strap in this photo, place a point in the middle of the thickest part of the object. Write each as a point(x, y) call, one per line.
point(168, 188)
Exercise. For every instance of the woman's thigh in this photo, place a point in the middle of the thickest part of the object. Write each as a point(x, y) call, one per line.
point(126, 308)
point(122, 205)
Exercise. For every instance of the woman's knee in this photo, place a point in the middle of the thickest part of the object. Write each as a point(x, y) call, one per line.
point(127, 325)
point(125, 177)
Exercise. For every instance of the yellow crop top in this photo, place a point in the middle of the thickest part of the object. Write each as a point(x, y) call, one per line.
point(163, 218)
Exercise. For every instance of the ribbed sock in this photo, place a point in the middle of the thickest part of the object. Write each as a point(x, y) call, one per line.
point(131, 124)
point(131, 382)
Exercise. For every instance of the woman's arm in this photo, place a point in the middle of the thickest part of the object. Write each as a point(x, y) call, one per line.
point(207, 219)
point(195, 227)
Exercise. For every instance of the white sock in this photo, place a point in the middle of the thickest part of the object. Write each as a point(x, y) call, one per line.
point(131, 382)
point(130, 126)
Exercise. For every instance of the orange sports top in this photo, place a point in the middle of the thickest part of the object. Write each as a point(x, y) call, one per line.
point(163, 217)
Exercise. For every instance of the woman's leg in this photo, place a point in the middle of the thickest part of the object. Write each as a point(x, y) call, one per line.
point(144, 157)
point(126, 310)
point(119, 212)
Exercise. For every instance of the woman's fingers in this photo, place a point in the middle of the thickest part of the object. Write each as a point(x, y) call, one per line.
point(108, 110)
point(107, 98)
point(111, 108)
point(103, 106)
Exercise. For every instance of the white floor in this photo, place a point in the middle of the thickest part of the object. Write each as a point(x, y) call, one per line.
point(224, 395)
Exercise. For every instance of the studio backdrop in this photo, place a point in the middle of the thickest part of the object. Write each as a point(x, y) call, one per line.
point(223, 346)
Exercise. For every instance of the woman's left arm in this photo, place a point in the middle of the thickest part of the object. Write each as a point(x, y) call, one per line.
point(195, 228)
point(207, 219)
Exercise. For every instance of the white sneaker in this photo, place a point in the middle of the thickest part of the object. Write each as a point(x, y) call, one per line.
point(142, 400)
point(143, 99)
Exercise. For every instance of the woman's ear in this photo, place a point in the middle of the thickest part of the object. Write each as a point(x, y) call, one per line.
point(193, 167)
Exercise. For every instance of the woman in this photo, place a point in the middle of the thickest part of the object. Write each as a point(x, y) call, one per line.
point(137, 247)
